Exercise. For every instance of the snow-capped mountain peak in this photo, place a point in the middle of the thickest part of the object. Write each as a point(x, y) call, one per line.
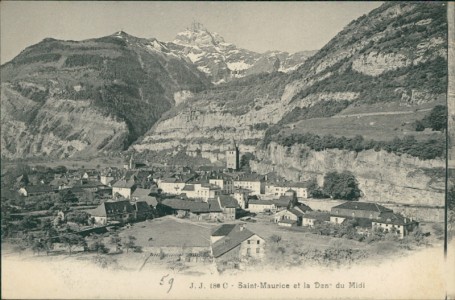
point(223, 61)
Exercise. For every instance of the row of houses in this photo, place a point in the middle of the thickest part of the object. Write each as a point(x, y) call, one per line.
point(367, 216)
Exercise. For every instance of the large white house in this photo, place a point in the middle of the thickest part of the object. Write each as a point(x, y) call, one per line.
point(124, 188)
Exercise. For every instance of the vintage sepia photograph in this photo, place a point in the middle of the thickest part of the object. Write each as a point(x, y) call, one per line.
point(227, 150)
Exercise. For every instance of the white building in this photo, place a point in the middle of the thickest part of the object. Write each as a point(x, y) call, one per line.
point(241, 195)
point(254, 183)
point(123, 188)
point(202, 191)
point(171, 185)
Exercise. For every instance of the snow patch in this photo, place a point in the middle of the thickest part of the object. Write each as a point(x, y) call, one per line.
point(204, 69)
point(238, 66)
point(195, 57)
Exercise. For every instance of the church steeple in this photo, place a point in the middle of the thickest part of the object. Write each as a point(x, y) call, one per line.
point(233, 156)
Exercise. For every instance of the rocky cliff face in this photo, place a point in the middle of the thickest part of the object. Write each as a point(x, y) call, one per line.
point(383, 177)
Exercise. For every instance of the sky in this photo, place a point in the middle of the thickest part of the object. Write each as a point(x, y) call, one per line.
point(256, 26)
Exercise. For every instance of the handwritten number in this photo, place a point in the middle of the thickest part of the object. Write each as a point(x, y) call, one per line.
point(170, 282)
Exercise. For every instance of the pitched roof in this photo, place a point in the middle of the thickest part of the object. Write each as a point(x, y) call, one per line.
point(302, 207)
point(214, 206)
point(139, 192)
point(228, 201)
point(122, 183)
point(368, 206)
point(41, 188)
point(234, 238)
point(296, 212)
point(393, 218)
point(143, 195)
point(283, 201)
point(223, 230)
point(142, 206)
point(111, 207)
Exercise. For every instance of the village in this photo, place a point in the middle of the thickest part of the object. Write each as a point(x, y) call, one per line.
point(225, 215)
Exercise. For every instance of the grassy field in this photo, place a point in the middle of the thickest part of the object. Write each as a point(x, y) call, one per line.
point(170, 231)
point(376, 127)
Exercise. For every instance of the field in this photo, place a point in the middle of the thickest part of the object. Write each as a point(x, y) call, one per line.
point(380, 127)
point(169, 232)
point(380, 122)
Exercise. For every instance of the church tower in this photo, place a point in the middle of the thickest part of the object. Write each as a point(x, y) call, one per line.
point(232, 157)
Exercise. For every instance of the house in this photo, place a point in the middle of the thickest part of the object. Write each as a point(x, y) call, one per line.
point(286, 201)
point(209, 210)
point(289, 217)
point(255, 183)
point(233, 241)
point(394, 222)
point(142, 210)
point(314, 217)
point(144, 195)
point(292, 216)
point(241, 195)
point(124, 188)
point(260, 206)
point(225, 183)
point(35, 190)
point(355, 209)
point(109, 211)
point(280, 188)
point(202, 191)
point(228, 206)
point(171, 185)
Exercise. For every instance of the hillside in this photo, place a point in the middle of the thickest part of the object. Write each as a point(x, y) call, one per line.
point(61, 98)
point(376, 78)
point(223, 61)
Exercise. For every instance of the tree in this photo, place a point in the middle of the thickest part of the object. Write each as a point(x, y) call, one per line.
point(314, 190)
point(245, 160)
point(28, 223)
point(71, 240)
point(437, 119)
point(341, 186)
point(67, 196)
point(129, 243)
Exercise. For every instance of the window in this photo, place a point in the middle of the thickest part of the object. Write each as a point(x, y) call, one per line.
point(248, 251)
point(258, 250)
point(249, 242)
point(258, 242)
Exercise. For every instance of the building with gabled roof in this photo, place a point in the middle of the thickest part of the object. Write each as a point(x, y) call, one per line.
point(124, 188)
point(356, 209)
point(231, 242)
point(395, 222)
point(112, 211)
point(315, 217)
point(140, 194)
